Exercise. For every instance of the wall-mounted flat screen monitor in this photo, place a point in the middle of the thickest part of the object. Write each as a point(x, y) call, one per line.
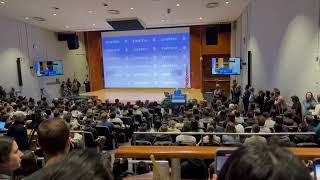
point(49, 68)
point(226, 66)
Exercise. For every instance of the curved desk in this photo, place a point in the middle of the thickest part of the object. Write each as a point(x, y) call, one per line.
point(175, 153)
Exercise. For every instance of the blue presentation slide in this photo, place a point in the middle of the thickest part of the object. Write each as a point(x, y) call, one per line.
point(147, 61)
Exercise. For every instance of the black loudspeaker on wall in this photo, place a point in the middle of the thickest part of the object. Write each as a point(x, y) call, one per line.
point(212, 36)
point(19, 71)
point(212, 32)
point(249, 67)
point(72, 40)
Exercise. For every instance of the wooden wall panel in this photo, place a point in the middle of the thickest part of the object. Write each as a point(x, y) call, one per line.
point(201, 76)
point(195, 54)
point(223, 46)
point(95, 62)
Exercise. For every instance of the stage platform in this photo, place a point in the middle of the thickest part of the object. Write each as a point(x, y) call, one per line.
point(134, 94)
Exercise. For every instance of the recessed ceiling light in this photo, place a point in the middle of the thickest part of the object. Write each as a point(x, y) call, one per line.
point(93, 24)
point(2, 2)
point(90, 12)
point(54, 14)
point(162, 20)
point(212, 4)
point(132, 8)
point(39, 19)
point(200, 18)
point(113, 11)
point(178, 5)
point(26, 18)
point(67, 27)
point(227, 2)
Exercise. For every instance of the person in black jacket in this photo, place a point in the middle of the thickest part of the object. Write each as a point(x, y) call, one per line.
point(143, 137)
point(236, 93)
point(245, 98)
point(297, 109)
point(18, 131)
point(303, 138)
point(260, 100)
point(267, 102)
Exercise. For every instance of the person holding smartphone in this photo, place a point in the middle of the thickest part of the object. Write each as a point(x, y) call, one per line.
point(259, 162)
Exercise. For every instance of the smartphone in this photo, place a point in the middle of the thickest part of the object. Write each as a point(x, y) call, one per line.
point(221, 157)
point(316, 165)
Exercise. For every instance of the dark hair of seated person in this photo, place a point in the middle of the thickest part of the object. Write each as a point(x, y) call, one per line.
point(263, 162)
point(279, 120)
point(255, 128)
point(303, 127)
point(112, 115)
point(231, 117)
point(261, 122)
point(186, 126)
point(143, 127)
point(309, 119)
point(78, 165)
point(266, 115)
point(278, 128)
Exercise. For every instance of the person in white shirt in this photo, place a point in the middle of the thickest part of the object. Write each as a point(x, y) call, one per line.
point(316, 112)
point(269, 123)
point(238, 119)
point(75, 112)
point(172, 126)
point(114, 119)
point(210, 139)
point(239, 127)
point(136, 110)
point(263, 128)
point(186, 139)
point(179, 125)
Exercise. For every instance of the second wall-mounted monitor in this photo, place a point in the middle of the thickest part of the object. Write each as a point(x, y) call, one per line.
point(226, 66)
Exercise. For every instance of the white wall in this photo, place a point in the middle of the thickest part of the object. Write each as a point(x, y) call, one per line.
point(283, 36)
point(18, 39)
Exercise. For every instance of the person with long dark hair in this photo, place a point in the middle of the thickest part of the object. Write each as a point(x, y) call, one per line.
point(245, 98)
point(10, 157)
point(296, 109)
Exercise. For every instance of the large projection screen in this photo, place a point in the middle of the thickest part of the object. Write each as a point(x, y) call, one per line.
point(157, 58)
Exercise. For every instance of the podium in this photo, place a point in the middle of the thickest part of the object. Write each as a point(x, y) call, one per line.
point(178, 97)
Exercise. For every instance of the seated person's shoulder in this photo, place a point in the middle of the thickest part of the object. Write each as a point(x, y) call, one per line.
point(41, 174)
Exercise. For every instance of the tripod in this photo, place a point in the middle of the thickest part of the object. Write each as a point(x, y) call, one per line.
point(41, 93)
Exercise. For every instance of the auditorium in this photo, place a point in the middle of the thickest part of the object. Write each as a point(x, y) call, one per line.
point(160, 89)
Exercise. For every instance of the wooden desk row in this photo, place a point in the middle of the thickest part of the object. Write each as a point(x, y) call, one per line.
point(200, 152)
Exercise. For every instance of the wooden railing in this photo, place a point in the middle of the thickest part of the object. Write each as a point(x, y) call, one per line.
point(175, 153)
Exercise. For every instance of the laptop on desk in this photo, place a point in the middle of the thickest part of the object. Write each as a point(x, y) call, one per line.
point(2, 124)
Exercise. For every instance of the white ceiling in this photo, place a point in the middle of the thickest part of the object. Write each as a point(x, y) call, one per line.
point(85, 15)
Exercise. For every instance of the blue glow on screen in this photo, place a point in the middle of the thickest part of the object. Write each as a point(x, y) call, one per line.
point(226, 66)
point(49, 68)
point(147, 61)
